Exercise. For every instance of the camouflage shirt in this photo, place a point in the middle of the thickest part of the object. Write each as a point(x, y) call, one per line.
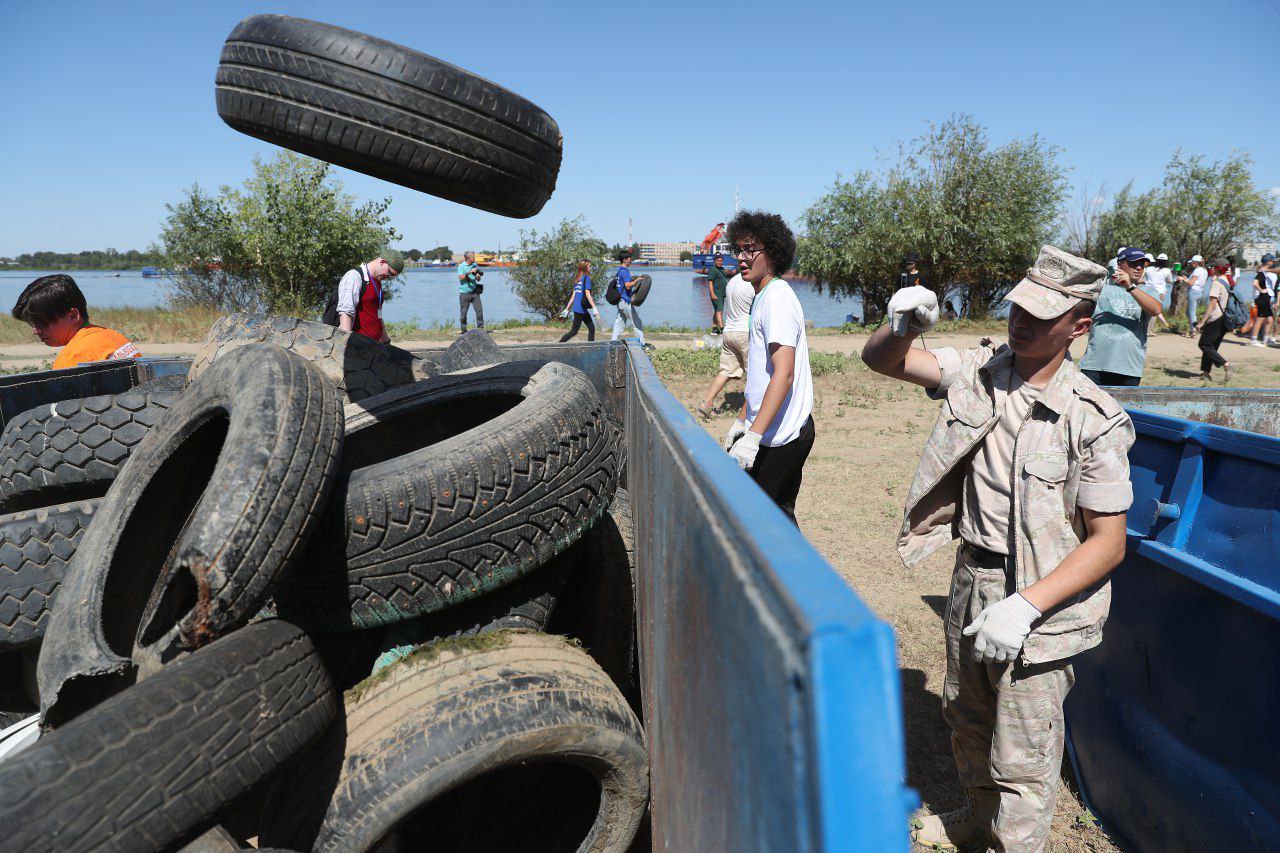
point(1072, 451)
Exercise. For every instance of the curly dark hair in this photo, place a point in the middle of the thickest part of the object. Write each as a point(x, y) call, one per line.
point(770, 231)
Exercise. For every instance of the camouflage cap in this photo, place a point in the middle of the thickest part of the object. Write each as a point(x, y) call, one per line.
point(394, 259)
point(1057, 283)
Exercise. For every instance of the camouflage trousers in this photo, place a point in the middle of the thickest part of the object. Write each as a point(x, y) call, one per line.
point(1006, 720)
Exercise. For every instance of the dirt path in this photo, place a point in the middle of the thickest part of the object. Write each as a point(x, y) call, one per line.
point(871, 431)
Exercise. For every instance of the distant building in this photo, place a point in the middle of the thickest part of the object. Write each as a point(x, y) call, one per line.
point(1251, 253)
point(665, 253)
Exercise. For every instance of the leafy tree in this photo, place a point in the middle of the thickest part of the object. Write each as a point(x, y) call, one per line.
point(1201, 207)
point(544, 280)
point(439, 253)
point(976, 215)
point(686, 256)
point(278, 243)
point(414, 255)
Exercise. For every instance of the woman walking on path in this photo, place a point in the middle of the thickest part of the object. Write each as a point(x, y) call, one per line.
point(1214, 326)
point(580, 304)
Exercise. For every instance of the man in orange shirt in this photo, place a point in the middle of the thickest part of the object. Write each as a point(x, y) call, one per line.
point(57, 312)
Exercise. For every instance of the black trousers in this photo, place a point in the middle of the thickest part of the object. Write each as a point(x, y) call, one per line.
point(1211, 335)
point(579, 320)
point(1106, 377)
point(778, 469)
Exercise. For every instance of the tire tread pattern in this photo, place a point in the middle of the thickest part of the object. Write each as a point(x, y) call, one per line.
point(151, 767)
point(35, 548)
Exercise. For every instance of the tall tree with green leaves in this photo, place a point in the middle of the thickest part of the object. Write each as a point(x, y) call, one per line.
point(545, 278)
point(1201, 207)
point(976, 215)
point(278, 243)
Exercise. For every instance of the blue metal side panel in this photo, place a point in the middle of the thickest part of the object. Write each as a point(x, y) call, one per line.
point(771, 692)
point(1170, 720)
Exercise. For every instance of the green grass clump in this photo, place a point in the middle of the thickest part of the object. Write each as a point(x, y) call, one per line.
point(137, 324)
point(671, 362)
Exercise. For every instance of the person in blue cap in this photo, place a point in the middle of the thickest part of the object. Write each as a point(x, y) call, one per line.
point(1117, 350)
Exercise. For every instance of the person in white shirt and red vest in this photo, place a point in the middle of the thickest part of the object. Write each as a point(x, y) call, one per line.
point(360, 295)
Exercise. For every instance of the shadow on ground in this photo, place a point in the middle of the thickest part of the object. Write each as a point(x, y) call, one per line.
point(930, 769)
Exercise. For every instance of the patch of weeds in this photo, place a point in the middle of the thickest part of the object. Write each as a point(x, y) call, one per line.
point(429, 652)
point(674, 361)
point(25, 368)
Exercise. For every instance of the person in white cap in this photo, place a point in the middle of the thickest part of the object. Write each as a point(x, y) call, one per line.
point(1157, 278)
point(1195, 290)
point(1028, 466)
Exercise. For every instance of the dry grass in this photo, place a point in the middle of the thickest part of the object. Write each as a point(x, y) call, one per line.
point(137, 324)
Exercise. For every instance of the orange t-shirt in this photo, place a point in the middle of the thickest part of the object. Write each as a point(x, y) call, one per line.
point(95, 343)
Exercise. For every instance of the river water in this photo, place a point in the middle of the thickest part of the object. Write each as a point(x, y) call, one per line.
point(430, 296)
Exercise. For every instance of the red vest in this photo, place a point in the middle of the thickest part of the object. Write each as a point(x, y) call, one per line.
point(369, 309)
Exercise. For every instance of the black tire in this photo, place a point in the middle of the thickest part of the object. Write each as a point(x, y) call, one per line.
point(152, 767)
point(358, 366)
point(73, 449)
point(36, 547)
point(458, 717)
point(218, 500)
point(388, 111)
point(597, 606)
point(483, 478)
point(640, 290)
point(524, 605)
point(471, 350)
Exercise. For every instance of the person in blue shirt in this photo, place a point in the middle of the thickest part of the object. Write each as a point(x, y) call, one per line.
point(469, 289)
point(628, 314)
point(1117, 350)
point(580, 303)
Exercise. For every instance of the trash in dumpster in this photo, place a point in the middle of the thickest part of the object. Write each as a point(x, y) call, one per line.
point(509, 540)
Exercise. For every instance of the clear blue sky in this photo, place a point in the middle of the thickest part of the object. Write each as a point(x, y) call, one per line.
point(665, 107)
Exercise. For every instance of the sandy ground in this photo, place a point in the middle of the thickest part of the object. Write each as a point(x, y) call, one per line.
point(870, 432)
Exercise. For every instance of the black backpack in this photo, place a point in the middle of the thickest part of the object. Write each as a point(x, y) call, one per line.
point(611, 293)
point(330, 315)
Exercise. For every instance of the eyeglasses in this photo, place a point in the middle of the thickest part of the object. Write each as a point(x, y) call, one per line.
point(749, 251)
point(1141, 262)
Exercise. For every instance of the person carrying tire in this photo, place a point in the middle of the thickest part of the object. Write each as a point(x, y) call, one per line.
point(360, 295)
point(773, 434)
point(628, 314)
point(1028, 465)
point(469, 290)
point(717, 287)
point(581, 305)
point(56, 310)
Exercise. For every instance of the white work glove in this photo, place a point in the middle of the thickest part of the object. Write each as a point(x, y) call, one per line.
point(735, 432)
point(914, 308)
point(1002, 628)
point(564, 315)
point(744, 450)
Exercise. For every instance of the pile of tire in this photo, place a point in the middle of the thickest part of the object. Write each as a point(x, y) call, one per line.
point(325, 594)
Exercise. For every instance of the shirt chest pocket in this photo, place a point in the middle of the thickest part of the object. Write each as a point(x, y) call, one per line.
point(1047, 469)
point(967, 406)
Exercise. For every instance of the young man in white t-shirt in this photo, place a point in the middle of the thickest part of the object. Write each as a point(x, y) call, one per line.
point(733, 343)
point(1158, 277)
point(774, 432)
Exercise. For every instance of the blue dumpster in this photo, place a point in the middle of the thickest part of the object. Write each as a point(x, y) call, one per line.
point(1169, 724)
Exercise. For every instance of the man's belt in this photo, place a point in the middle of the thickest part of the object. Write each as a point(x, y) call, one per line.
point(985, 558)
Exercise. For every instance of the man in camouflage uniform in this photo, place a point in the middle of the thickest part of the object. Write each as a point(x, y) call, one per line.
point(1028, 466)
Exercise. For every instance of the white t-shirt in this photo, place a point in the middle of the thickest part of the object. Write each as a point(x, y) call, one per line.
point(737, 304)
point(988, 488)
point(1195, 281)
point(777, 318)
point(1158, 279)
